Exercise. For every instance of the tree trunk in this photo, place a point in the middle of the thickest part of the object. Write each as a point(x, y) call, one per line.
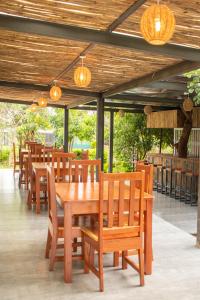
point(181, 146)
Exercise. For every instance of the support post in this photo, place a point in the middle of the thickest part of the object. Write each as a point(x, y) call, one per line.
point(110, 167)
point(100, 130)
point(161, 136)
point(66, 128)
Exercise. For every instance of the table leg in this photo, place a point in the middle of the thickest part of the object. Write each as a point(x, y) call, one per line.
point(148, 255)
point(67, 243)
point(37, 191)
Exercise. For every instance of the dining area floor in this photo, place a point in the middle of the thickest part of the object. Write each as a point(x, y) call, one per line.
point(24, 271)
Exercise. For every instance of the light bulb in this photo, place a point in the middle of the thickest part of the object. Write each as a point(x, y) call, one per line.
point(157, 24)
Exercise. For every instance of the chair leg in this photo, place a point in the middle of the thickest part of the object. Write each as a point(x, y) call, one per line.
point(29, 200)
point(141, 266)
point(53, 253)
point(48, 244)
point(100, 263)
point(116, 259)
point(85, 255)
point(124, 263)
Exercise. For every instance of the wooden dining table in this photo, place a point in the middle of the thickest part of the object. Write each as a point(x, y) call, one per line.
point(83, 198)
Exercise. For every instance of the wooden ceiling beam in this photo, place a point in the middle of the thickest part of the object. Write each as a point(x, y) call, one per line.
point(45, 88)
point(130, 10)
point(30, 26)
point(165, 73)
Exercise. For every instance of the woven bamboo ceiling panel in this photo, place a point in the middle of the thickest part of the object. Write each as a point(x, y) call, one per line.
point(111, 66)
point(32, 95)
point(35, 59)
point(100, 14)
point(84, 13)
point(187, 30)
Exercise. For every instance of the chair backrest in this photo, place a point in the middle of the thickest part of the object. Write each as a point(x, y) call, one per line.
point(38, 151)
point(62, 160)
point(52, 207)
point(47, 154)
point(148, 187)
point(30, 169)
point(85, 155)
point(14, 153)
point(84, 170)
point(125, 202)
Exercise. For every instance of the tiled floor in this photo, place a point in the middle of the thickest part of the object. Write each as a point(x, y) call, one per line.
point(182, 215)
point(24, 272)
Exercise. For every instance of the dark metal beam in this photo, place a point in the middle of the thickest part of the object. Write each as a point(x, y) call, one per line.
point(119, 105)
point(130, 10)
point(144, 99)
point(26, 25)
point(166, 85)
point(66, 129)
point(165, 73)
point(93, 108)
point(100, 131)
point(110, 166)
point(29, 103)
point(45, 88)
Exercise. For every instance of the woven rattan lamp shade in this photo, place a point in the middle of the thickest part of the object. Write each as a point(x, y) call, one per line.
point(33, 107)
point(82, 76)
point(42, 102)
point(147, 109)
point(55, 93)
point(188, 104)
point(157, 24)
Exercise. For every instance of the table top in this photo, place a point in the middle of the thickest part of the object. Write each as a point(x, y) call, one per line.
point(89, 191)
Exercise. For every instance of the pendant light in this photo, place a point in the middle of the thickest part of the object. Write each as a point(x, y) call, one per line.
point(55, 92)
point(33, 107)
point(147, 109)
point(42, 102)
point(157, 24)
point(82, 75)
point(188, 104)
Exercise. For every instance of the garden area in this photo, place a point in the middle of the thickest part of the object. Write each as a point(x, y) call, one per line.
point(132, 140)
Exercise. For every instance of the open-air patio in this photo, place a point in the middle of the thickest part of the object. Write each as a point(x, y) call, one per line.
point(99, 149)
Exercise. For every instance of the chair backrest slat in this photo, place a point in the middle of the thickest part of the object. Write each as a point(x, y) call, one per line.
point(84, 170)
point(148, 176)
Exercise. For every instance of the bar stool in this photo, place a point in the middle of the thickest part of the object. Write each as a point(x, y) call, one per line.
point(179, 173)
point(191, 182)
point(167, 176)
point(159, 174)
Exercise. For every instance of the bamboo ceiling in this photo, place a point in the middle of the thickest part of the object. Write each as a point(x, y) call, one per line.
point(35, 59)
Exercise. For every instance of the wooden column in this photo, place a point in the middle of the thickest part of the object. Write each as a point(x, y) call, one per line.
point(100, 130)
point(66, 128)
point(110, 167)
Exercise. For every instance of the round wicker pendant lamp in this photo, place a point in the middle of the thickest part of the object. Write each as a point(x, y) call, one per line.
point(42, 102)
point(147, 109)
point(188, 104)
point(55, 92)
point(121, 113)
point(82, 75)
point(157, 24)
point(33, 107)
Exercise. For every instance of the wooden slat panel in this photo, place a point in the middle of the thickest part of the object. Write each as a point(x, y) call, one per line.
point(165, 119)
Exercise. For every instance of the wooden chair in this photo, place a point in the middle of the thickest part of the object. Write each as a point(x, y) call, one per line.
point(22, 169)
point(62, 168)
point(31, 146)
point(15, 161)
point(84, 170)
point(148, 176)
point(56, 225)
point(123, 235)
point(85, 155)
point(31, 186)
point(38, 152)
point(47, 154)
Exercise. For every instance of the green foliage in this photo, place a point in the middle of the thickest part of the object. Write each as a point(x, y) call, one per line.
point(4, 154)
point(132, 138)
point(193, 85)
